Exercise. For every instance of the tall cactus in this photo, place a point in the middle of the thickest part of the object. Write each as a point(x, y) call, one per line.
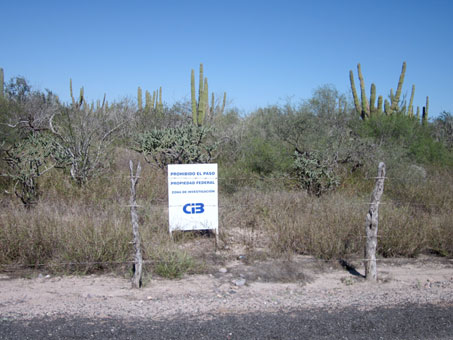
point(81, 101)
point(160, 106)
point(354, 93)
point(410, 110)
point(199, 107)
point(70, 91)
point(193, 97)
point(425, 112)
point(362, 108)
point(139, 98)
point(379, 105)
point(372, 99)
point(396, 98)
point(366, 109)
point(223, 103)
point(211, 109)
point(2, 83)
point(148, 104)
point(365, 106)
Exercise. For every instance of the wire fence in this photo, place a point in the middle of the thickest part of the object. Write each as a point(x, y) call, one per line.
point(342, 261)
point(162, 204)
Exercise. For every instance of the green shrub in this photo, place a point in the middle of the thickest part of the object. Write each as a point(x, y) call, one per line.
point(265, 157)
point(173, 264)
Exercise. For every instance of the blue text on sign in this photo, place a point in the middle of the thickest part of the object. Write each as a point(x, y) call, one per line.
point(193, 208)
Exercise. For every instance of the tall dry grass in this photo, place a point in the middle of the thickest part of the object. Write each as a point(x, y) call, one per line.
point(89, 229)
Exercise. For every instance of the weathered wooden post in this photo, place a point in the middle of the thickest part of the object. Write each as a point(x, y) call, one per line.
point(372, 226)
point(138, 260)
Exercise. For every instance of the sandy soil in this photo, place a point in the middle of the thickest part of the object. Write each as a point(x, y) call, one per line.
point(314, 285)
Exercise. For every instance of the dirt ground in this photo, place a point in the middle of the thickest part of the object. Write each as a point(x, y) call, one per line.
point(236, 287)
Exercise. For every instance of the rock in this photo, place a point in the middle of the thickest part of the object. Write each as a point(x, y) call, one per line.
point(40, 276)
point(47, 276)
point(239, 282)
point(223, 270)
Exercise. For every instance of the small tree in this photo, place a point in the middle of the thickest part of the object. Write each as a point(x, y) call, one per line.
point(83, 135)
point(27, 150)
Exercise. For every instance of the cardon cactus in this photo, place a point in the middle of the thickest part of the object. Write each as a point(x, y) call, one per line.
point(2, 82)
point(367, 108)
point(200, 106)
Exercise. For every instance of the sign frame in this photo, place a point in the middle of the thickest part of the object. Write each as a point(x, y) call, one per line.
point(193, 197)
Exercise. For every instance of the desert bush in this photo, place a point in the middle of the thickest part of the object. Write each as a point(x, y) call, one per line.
point(402, 231)
point(173, 264)
point(440, 235)
point(179, 145)
point(75, 236)
point(265, 157)
point(405, 133)
point(443, 129)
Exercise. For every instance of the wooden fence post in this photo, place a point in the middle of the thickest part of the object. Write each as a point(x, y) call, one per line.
point(372, 226)
point(138, 260)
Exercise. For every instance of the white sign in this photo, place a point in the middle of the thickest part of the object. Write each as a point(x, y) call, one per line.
point(193, 197)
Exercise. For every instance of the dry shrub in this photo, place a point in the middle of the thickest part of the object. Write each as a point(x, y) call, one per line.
point(90, 226)
point(294, 222)
point(441, 235)
point(402, 231)
point(79, 237)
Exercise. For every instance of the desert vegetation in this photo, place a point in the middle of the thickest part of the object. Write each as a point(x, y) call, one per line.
point(294, 178)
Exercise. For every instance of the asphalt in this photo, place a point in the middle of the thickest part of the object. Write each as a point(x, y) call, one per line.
point(405, 322)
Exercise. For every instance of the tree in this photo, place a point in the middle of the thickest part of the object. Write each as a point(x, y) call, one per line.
point(83, 135)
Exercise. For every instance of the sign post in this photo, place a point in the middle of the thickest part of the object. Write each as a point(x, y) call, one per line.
point(193, 197)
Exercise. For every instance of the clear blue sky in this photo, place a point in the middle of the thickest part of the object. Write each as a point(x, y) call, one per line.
point(259, 52)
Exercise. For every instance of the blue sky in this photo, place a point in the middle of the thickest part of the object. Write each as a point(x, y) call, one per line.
point(259, 52)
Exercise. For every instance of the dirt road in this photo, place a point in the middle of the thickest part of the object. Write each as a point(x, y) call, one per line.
point(412, 300)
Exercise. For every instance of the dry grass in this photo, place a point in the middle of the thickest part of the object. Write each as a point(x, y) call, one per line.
point(90, 227)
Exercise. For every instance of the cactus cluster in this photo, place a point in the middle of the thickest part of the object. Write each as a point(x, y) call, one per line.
point(200, 106)
point(81, 102)
point(152, 103)
point(366, 108)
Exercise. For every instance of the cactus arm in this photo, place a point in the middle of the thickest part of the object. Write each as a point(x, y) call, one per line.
point(70, 91)
point(365, 108)
point(147, 101)
point(396, 98)
point(411, 103)
point(160, 107)
point(379, 105)
point(212, 104)
point(372, 99)
point(2, 83)
point(223, 103)
point(200, 84)
point(139, 98)
point(387, 107)
point(354, 93)
point(425, 112)
point(193, 98)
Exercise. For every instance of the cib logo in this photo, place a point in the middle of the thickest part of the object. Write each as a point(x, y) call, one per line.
point(193, 208)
